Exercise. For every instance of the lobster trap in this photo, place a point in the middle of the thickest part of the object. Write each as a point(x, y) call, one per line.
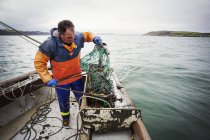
point(97, 65)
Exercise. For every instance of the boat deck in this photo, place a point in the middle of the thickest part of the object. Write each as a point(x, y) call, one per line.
point(50, 126)
point(47, 122)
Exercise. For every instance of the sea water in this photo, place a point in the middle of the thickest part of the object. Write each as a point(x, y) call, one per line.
point(168, 78)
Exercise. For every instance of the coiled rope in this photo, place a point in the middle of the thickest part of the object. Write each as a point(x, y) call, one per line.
point(41, 115)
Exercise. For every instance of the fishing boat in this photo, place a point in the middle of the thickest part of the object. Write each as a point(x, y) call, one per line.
point(29, 110)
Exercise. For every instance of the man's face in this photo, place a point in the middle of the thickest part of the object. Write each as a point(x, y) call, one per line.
point(68, 36)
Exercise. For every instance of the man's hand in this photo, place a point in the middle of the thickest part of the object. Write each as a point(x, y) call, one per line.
point(52, 82)
point(97, 40)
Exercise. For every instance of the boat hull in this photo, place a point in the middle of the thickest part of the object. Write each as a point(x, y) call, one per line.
point(121, 121)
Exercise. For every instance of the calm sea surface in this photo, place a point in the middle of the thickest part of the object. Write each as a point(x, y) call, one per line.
point(168, 78)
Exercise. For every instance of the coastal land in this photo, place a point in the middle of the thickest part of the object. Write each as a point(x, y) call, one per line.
point(10, 32)
point(177, 34)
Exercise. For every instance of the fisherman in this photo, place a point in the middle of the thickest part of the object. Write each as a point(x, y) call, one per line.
point(62, 49)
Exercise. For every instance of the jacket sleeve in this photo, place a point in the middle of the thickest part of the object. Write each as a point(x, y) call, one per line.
point(88, 37)
point(40, 64)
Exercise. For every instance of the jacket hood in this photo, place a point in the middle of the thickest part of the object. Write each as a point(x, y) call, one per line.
point(55, 36)
point(54, 32)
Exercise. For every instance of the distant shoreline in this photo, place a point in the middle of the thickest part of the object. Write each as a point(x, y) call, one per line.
point(177, 34)
point(10, 32)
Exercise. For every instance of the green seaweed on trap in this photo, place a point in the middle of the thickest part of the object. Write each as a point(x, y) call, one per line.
point(97, 65)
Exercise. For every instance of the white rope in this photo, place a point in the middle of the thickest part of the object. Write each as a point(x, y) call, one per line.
point(12, 90)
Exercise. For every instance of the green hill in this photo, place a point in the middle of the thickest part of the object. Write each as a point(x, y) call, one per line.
point(10, 32)
point(177, 33)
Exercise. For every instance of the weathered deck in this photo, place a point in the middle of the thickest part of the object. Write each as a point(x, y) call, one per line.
point(47, 123)
point(52, 128)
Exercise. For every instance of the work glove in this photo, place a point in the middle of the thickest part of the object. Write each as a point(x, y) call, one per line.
point(97, 40)
point(52, 82)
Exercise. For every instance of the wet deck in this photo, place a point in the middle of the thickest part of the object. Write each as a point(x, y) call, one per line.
point(50, 126)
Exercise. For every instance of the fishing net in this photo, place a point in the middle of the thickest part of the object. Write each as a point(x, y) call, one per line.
point(97, 65)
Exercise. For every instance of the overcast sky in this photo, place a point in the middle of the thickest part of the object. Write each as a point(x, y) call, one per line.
point(108, 16)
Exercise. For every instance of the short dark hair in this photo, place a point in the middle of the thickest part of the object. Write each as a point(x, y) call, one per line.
point(63, 25)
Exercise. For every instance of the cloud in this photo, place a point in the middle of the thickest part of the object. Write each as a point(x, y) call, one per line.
point(133, 16)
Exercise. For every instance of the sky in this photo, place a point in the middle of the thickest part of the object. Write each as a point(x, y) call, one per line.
point(108, 16)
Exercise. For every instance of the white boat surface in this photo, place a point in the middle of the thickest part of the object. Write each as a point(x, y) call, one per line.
point(36, 115)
